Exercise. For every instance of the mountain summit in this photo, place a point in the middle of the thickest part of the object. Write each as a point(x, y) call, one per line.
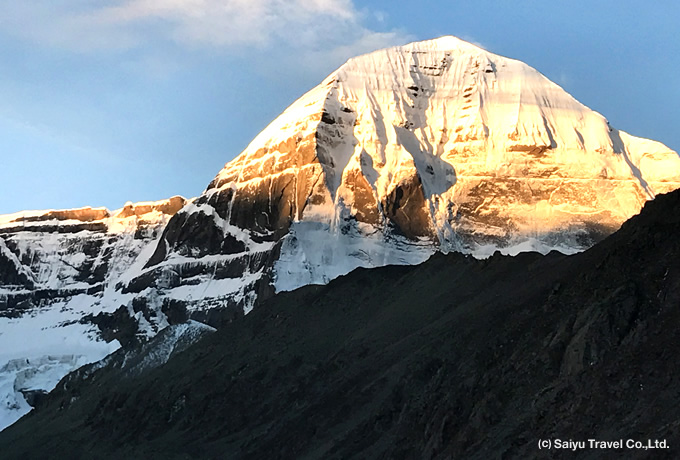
point(433, 145)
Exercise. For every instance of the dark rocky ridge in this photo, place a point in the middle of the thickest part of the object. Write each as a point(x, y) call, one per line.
point(455, 358)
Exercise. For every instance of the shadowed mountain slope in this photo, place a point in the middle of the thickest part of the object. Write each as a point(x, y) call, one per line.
point(454, 358)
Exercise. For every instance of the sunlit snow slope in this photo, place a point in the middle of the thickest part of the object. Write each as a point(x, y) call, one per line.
point(401, 152)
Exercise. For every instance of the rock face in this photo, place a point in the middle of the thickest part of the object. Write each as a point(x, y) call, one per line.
point(58, 271)
point(454, 358)
point(77, 249)
point(437, 145)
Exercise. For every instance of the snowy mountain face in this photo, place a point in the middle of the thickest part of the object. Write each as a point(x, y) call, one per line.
point(78, 250)
point(437, 145)
point(433, 146)
point(56, 268)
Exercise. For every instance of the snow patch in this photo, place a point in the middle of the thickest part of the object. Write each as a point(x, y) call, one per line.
point(313, 254)
point(41, 347)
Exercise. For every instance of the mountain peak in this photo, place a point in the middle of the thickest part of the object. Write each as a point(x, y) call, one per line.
point(445, 42)
point(434, 145)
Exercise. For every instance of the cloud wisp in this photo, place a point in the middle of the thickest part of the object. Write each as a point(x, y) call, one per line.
point(87, 26)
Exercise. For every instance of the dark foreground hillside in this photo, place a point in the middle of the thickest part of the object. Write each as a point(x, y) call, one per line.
point(455, 358)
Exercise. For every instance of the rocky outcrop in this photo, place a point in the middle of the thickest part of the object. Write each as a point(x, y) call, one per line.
point(437, 145)
point(78, 249)
point(83, 215)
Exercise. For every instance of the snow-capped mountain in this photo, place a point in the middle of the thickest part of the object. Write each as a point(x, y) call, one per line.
point(55, 268)
point(77, 249)
point(433, 146)
point(436, 145)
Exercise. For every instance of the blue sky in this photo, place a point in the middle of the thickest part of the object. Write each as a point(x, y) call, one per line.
point(103, 102)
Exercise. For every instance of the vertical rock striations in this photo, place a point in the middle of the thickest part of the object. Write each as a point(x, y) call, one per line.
point(436, 145)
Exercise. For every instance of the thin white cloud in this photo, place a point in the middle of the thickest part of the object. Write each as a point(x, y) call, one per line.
point(380, 16)
point(61, 24)
point(474, 41)
point(283, 37)
point(564, 78)
point(86, 25)
point(365, 42)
